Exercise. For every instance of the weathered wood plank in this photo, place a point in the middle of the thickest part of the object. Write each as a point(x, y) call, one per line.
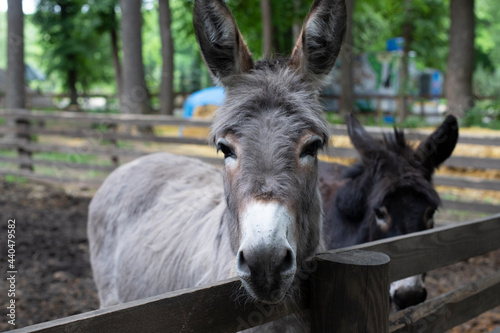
point(454, 161)
point(451, 309)
point(349, 292)
point(468, 182)
point(131, 119)
point(427, 250)
point(472, 162)
point(471, 206)
point(51, 179)
point(94, 135)
point(137, 119)
point(419, 135)
point(212, 308)
point(58, 164)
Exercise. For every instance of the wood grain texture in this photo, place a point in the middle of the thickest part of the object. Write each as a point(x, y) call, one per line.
point(349, 292)
point(451, 309)
point(468, 182)
point(471, 206)
point(427, 250)
point(131, 119)
point(207, 309)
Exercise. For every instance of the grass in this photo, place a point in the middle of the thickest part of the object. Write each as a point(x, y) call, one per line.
point(15, 179)
point(73, 158)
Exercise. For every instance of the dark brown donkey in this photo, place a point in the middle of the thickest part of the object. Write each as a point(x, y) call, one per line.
point(388, 193)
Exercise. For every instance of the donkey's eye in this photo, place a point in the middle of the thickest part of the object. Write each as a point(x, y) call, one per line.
point(382, 218)
point(226, 150)
point(312, 148)
point(379, 213)
point(429, 217)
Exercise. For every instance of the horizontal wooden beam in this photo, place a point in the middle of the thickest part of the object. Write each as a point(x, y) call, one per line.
point(451, 309)
point(471, 206)
point(420, 135)
point(51, 179)
point(107, 118)
point(138, 119)
point(58, 164)
point(424, 251)
point(193, 309)
point(468, 182)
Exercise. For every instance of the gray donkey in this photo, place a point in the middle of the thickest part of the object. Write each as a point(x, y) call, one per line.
point(162, 222)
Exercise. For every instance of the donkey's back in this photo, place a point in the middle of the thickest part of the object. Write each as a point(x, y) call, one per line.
point(136, 220)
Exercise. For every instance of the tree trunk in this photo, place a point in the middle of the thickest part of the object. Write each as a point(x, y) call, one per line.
point(267, 42)
point(115, 56)
point(167, 53)
point(407, 32)
point(15, 94)
point(296, 22)
point(135, 98)
point(458, 85)
point(347, 93)
point(73, 93)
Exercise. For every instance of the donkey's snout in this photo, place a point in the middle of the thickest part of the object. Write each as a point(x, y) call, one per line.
point(255, 263)
point(409, 297)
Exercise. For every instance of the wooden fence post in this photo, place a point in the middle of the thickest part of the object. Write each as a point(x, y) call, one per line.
point(23, 138)
point(115, 159)
point(350, 292)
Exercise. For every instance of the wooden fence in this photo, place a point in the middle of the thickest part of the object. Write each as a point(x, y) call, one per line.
point(97, 135)
point(345, 290)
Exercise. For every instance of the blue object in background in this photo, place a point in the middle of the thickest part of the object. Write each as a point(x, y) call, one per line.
point(207, 96)
point(437, 83)
point(389, 119)
point(395, 44)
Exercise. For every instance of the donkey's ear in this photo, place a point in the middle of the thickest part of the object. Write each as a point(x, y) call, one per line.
point(439, 145)
point(320, 41)
point(361, 140)
point(222, 46)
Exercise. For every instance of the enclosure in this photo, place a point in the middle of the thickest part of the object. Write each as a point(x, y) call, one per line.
point(54, 272)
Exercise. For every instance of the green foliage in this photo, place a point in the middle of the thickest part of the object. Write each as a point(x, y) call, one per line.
point(16, 179)
point(484, 114)
point(3, 39)
point(334, 118)
point(72, 36)
point(487, 36)
point(376, 21)
point(79, 40)
point(413, 122)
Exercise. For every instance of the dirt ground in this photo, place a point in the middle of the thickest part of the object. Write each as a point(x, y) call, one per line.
point(54, 278)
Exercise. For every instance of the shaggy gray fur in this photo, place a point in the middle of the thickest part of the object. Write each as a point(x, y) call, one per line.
point(163, 222)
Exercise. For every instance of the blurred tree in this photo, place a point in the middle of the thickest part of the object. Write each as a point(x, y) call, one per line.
point(135, 97)
point(347, 93)
point(167, 51)
point(458, 84)
point(376, 21)
point(15, 94)
point(73, 46)
point(106, 21)
point(267, 25)
point(407, 30)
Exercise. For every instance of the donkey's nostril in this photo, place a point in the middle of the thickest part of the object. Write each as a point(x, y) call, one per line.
point(287, 263)
point(242, 265)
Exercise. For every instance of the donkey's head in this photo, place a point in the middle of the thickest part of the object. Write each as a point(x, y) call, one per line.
point(270, 129)
point(393, 185)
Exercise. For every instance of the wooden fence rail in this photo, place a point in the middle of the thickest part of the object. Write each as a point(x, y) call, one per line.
point(98, 134)
point(331, 292)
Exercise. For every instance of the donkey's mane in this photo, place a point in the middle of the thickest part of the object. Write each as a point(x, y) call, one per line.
point(273, 89)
